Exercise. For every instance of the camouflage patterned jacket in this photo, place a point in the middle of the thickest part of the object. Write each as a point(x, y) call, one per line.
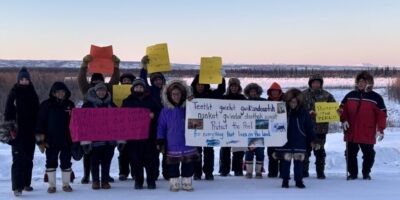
point(311, 96)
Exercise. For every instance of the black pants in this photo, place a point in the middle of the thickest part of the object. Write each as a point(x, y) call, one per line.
point(101, 156)
point(21, 169)
point(225, 160)
point(143, 154)
point(186, 169)
point(87, 164)
point(319, 154)
point(52, 155)
point(208, 166)
point(368, 158)
point(273, 164)
point(125, 165)
point(237, 161)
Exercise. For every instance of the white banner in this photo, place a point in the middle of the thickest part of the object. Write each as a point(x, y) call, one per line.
point(235, 123)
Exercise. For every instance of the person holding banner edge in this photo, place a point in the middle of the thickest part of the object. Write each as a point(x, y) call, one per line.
point(84, 86)
point(171, 136)
point(234, 93)
point(204, 91)
point(315, 93)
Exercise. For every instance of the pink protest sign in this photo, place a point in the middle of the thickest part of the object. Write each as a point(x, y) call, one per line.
point(108, 124)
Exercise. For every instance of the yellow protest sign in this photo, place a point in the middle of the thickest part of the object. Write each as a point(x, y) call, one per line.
point(120, 92)
point(210, 70)
point(159, 58)
point(326, 112)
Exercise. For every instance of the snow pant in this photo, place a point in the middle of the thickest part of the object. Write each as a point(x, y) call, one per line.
point(368, 158)
point(258, 153)
point(22, 164)
point(55, 153)
point(225, 160)
point(125, 166)
point(237, 161)
point(186, 169)
point(285, 169)
point(208, 166)
point(319, 154)
point(101, 156)
point(273, 164)
point(143, 154)
point(87, 164)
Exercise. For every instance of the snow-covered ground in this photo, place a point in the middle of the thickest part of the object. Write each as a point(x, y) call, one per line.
point(385, 173)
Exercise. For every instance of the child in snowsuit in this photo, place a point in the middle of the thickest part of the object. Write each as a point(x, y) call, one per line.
point(53, 135)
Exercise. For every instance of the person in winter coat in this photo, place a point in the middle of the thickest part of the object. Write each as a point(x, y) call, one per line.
point(299, 132)
point(143, 153)
point(22, 107)
point(84, 86)
point(315, 93)
point(253, 92)
point(53, 135)
point(101, 151)
point(157, 82)
point(204, 91)
point(171, 136)
point(363, 116)
point(125, 166)
point(234, 93)
point(274, 93)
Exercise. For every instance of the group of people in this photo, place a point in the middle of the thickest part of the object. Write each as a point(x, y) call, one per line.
point(362, 112)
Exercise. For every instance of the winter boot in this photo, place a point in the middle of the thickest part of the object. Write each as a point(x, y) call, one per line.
point(51, 174)
point(28, 188)
point(300, 184)
point(209, 177)
point(285, 183)
point(95, 185)
point(174, 182)
point(105, 185)
point(17, 193)
point(66, 178)
point(249, 169)
point(366, 177)
point(259, 166)
point(187, 184)
point(320, 163)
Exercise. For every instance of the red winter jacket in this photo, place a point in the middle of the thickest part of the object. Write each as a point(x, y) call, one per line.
point(366, 114)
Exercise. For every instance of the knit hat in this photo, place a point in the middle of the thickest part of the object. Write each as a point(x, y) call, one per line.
point(23, 73)
point(138, 81)
point(99, 86)
point(155, 75)
point(97, 77)
point(130, 76)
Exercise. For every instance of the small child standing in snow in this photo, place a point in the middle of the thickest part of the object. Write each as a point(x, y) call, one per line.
point(52, 135)
point(253, 92)
point(171, 136)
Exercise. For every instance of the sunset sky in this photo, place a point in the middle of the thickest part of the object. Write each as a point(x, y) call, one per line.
point(328, 32)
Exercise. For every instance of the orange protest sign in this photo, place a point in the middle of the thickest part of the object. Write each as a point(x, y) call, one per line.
point(102, 61)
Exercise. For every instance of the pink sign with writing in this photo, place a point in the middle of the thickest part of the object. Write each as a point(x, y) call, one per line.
point(108, 124)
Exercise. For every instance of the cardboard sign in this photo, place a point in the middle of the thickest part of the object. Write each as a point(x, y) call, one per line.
point(211, 122)
point(109, 124)
point(102, 61)
point(159, 58)
point(327, 112)
point(120, 92)
point(210, 70)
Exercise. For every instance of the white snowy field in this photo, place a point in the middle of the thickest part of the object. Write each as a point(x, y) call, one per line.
point(384, 184)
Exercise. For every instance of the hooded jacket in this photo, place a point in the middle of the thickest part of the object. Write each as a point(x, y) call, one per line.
point(54, 117)
point(155, 92)
point(208, 93)
point(275, 86)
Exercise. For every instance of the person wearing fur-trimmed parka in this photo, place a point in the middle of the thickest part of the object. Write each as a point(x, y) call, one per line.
point(53, 135)
point(253, 92)
point(299, 132)
point(234, 93)
point(363, 117)
point(101, 151)
point(21, 109)
point(206, 165)
point(143, 153)
point(274, 93)
point(171, 136)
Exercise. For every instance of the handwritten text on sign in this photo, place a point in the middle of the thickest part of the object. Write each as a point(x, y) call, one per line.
point(108, 124)
point(326, 112)
point(211, 122)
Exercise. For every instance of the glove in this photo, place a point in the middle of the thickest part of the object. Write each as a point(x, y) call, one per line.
point(42, 147)
point(87, 59)
point(312, 113)
point(145, 60)
point(87, 148)
point(252, 148)
point(316, 145)
point(161, 146)
point(121, 147)
point(379, 136)
point(223, 72)
point(40, 141)
point(116, 59)
point(345, 125)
